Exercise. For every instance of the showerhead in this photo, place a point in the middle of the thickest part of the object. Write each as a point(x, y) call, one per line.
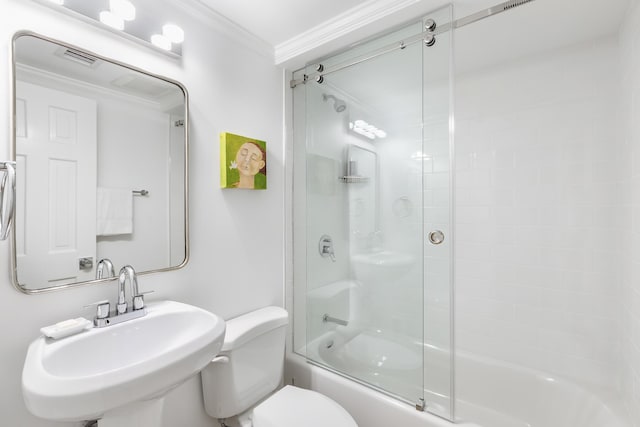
point(338, 104)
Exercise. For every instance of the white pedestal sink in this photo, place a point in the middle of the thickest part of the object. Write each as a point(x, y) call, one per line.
point(120, 374)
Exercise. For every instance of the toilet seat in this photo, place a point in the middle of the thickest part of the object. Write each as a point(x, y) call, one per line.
point(296, 407)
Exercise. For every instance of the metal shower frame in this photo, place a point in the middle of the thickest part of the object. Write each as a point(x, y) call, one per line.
point(428, 36)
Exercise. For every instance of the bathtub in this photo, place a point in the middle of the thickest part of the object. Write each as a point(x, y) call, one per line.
point(489, 393)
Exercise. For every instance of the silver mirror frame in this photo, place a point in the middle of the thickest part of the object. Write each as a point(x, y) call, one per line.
point(13, 152)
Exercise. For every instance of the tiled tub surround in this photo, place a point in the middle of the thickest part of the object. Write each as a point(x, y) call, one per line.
point(538, 218)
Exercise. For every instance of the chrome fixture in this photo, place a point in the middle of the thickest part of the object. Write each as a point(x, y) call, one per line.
point(8, 197)
point(436, 237)
point(430, 25)
point(325, 247)
point(85, 263)
point(140, 192)
point(429, 40)
point(352, 174)
point(427, 36)
point(123, 312)
point(102, 311)
point(328, 319)
point(338, 104)
point(137, 300)
point(104, 269)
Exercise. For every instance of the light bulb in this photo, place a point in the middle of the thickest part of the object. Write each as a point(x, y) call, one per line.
point(112, 20)
point(123, 8)
point(161, 41)
point(174, 33)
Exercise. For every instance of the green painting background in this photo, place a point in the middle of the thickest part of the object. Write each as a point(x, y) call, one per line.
point(233, 144)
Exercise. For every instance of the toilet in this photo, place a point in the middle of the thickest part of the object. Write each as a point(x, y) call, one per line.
point(249, 369)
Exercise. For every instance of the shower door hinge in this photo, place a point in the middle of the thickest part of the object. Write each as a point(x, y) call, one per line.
point(420, 405)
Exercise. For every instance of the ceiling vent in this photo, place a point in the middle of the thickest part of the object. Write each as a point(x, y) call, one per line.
point(79, 57)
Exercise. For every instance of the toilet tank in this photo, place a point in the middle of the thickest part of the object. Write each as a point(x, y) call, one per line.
point(249, 366)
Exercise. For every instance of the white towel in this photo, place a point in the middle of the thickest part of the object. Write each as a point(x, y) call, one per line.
point(115, 211)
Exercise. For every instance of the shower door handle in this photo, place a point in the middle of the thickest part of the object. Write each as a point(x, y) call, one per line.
point(436, 237)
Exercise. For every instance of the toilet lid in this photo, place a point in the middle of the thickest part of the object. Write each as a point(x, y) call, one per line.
point(296, 407)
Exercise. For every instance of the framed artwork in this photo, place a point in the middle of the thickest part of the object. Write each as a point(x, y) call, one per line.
point(243, 162)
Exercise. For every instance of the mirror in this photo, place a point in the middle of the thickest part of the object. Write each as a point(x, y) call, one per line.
point(101, 166)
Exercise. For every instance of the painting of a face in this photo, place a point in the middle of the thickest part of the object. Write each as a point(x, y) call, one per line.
point(243, 162)
point(249, 159)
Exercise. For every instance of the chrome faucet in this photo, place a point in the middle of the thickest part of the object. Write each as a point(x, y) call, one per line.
point(104, 317)
point(137, 300)
point(104, 269)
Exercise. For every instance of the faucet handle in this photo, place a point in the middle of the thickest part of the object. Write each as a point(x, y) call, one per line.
point(121, 308)
point(138, 300)
point(102, 308)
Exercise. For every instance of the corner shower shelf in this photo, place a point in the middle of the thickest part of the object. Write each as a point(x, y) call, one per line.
point(353, 179)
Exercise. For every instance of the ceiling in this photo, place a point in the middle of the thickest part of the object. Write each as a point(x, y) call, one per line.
point(312, 29)
point(276, 21)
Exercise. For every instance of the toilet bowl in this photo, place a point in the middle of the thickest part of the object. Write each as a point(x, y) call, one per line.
point(240, 382)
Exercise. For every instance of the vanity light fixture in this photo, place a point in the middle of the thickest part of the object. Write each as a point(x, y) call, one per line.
point(367, 130)
point(161, 41)
point(112, 20)
point(174, 33)
point(123, 8)
point(171, 34)
point(138, 20)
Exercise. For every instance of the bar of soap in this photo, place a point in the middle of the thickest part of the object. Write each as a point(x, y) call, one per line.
point(66, 328)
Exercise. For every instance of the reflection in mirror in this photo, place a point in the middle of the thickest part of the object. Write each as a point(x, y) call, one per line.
point(362, 175)
point(101, 170)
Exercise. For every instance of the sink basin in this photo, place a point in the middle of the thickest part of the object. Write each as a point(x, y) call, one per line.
point(85, 376)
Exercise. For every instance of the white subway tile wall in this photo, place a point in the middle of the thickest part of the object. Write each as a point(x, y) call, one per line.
point(538, 219)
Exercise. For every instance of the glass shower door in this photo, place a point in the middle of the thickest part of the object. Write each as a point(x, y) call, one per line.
point(368, 170)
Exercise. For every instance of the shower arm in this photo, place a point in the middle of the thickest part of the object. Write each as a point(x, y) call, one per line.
point(430, 33)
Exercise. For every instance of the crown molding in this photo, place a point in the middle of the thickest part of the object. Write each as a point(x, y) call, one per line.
point(339, 26)
point(200, 10)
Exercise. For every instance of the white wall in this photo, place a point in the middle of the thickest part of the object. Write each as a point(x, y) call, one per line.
point(129, 136)
point(538, 219)
point(236, 236)
point(630, 229)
